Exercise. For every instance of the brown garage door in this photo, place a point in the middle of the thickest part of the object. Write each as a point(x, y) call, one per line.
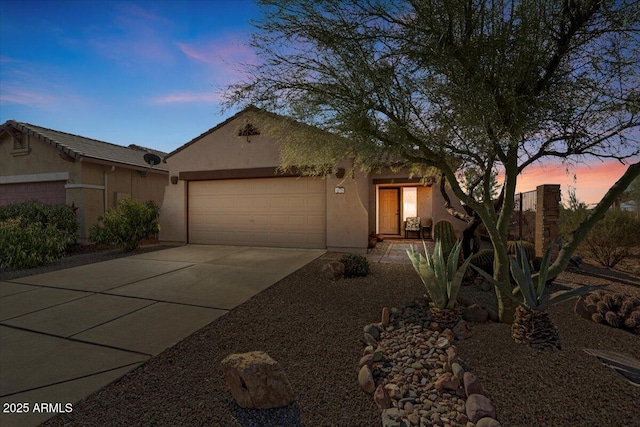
point(52, 192)
point(280, 212)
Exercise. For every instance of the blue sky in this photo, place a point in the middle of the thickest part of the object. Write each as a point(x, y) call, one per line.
point(152, 72)
point(127, 72)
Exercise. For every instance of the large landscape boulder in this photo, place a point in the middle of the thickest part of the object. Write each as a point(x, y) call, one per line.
point(257, 381)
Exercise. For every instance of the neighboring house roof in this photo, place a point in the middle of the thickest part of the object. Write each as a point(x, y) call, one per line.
point(79, 147)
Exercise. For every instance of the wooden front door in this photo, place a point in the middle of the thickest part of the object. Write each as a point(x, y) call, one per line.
point(389, 210)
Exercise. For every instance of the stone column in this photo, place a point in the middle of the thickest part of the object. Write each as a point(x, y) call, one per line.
point(547, 219)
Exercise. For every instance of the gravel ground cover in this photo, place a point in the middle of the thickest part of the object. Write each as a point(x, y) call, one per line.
point(313, 327)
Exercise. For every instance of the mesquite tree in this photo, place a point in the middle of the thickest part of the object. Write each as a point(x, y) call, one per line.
point(494, 85)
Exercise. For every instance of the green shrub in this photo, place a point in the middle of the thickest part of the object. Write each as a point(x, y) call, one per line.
point(30, 244)
point(127, 224)
point(355, 265)
point(60, 217)
point(613, 238)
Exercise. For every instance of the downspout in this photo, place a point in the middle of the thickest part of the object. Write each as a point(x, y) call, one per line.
point(106, 193)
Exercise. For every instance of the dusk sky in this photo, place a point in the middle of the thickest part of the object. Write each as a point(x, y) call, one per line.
point(151, 73)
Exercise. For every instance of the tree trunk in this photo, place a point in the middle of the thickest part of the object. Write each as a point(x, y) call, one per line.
point(506, 305)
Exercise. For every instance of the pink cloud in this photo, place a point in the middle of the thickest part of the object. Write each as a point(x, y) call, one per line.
point(13, 95)
point(224, 53)
point(591, 183)
point(187, 97)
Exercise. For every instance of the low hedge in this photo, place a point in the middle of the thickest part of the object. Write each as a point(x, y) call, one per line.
point(35, 234)
point(126, 224)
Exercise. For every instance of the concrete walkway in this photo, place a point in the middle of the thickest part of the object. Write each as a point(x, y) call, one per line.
point(395, 251)
point(66, 334)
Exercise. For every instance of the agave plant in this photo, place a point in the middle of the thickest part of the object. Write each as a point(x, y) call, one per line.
point(532, 325)
point(441, 279)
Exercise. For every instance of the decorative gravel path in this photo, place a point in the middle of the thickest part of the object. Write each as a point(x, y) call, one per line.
point(313, 328)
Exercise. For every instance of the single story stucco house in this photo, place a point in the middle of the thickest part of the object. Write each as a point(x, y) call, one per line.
point(54, 167)
point(225, 187)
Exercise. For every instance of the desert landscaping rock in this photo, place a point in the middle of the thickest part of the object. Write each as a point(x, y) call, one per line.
point(471, 384)
point(417, 371)
point(384, 321)
point(479, 406)
point(373, 331)
point(333, 270)
point(256, 380)
point(391, 418)
point(461, 330)
point(381, 397)
point(475, 313)
point(365, 379)
point(487, 422)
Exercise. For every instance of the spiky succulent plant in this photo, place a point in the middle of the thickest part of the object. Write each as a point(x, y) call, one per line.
point(442, 279)
point(528, 293)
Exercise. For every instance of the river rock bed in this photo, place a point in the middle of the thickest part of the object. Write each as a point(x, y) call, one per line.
point(415, 375)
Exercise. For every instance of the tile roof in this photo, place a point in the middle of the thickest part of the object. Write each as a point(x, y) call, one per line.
point(79, 147)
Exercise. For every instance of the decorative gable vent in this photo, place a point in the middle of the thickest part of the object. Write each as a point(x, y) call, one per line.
point(20, 144)
point(19, 141)
point(248, 130)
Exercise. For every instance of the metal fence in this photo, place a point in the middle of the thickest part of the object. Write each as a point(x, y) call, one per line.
point(523, 220)
point(526, 201)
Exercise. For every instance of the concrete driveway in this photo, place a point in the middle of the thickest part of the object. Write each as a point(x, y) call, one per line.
point(68, 333)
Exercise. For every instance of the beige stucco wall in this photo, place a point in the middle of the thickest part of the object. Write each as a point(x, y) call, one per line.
point(43, 158)
point(223, 149)
point(116, 181)
point(347, 214)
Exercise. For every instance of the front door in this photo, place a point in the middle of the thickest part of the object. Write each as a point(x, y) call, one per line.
point(389, 210)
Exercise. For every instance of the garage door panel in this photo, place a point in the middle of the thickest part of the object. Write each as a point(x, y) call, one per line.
point(285, 212)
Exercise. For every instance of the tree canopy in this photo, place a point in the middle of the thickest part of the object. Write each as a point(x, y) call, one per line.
point(494, 85)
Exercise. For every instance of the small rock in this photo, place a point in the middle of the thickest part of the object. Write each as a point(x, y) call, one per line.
point(365, 379)
point(493, 315)
point(447, 382)
point(394, 391)
point(452, 356)
point(378, 355)
point(386, 315)
point(370, 340)
point(434, 326)
point(368, 349)
point(448, 334)
point(367, 359)
point(391, 418)
point(382, 398)
point(461, 419)
point(408, 407)
point(414, 419)
point(442, 342)
point(580, 308)
point(471, 384)
point(256, 380)
point(461, 330)
point(333, 270)
point(475, 313)
point(457, 370)
point(373, 331)
point(479, 406)
point(487, 422)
